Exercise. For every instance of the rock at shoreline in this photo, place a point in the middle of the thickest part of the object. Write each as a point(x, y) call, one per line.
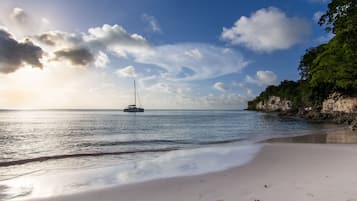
point(337, 108)
point(274, 103)
point(353, 125)
point(337, 102)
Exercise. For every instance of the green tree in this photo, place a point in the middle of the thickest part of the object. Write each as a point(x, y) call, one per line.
point(333, 66)
point(341, 15)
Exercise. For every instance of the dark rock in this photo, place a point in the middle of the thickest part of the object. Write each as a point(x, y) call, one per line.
point(353, 125)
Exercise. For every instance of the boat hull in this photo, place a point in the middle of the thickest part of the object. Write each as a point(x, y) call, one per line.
point(137, 109)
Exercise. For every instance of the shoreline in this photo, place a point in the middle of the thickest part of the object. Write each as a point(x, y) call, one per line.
point(338, 118)
point(280, 171)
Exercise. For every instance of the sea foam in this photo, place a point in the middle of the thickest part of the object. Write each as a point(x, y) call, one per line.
point(189, 162)
point(170, 164)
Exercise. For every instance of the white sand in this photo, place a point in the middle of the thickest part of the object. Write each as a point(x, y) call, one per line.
point(292, 172)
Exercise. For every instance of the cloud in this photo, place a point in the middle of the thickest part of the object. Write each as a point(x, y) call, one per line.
point(224, 101)
point(316, 17)
point(97, 41)
point(262, 78)
point(128, 71)
point(172, 67)
point(76, 56)
point(152, 23)
point(193, 61)
point(22, 23)
point(14, 54)
point(102, 60)
point(59, 39)
point(194, 53)
point(247, 90)
point(183, 61)
point(116, 39)
point(45, 20)
point(267, 30)
point(19, 16)
point(220, 86)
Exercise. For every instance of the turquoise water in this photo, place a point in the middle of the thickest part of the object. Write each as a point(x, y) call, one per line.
point(46, 153)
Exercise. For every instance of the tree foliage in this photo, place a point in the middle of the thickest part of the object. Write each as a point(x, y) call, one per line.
point(341, 15)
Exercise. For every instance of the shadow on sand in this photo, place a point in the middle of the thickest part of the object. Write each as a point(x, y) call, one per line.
point(343, 136)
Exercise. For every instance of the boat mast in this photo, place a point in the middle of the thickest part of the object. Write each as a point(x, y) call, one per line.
point(134, 93)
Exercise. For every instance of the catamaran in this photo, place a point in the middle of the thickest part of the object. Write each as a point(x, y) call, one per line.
point(133, 108)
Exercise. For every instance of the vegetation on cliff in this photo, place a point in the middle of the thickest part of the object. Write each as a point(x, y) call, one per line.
point(327, 68)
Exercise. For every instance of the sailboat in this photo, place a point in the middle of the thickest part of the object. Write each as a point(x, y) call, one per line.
point(133, 108)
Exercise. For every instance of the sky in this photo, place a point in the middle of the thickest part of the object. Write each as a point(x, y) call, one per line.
point(183, 54)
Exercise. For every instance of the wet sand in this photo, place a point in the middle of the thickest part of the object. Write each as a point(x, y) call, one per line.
point(280, 172)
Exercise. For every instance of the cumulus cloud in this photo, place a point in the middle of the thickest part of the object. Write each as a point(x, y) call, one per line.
point(266, 30)
point(96, 41)
point(76, 56)
point(14, 54)
point(262, 78)
point(116, 39)
point(220, 86)
point(153, 24)
point(193, 61)
point(128, 71)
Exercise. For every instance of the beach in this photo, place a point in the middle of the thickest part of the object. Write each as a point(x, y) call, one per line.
point(279, 172)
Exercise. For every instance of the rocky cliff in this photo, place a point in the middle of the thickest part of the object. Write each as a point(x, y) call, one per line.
point(337, 108)
point(274, 103)
point(339, 103)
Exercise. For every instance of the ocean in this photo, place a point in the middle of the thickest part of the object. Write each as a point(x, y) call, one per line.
point(54, 152)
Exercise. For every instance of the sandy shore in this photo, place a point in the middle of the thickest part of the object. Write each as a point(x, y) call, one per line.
point(280, 172)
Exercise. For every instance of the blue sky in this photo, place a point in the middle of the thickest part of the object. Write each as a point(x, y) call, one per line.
point(184, 54)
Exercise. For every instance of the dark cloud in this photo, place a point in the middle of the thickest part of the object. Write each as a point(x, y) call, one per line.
point(55, 38)
point(14, 54)
point(46, 39)
point(77, 56)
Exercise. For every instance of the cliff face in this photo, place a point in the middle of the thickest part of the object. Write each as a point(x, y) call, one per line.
point(338, 103)
point(274, 103)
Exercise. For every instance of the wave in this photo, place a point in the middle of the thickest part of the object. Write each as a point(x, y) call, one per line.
point(164, 142)
point(183, 162)
point(64, 156)
point(139, 142)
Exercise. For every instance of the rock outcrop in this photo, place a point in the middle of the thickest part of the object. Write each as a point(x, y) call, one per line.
point(339, 103)
point(274, 103)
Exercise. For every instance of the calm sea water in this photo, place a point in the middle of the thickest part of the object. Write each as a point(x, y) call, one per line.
point(46, 153)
